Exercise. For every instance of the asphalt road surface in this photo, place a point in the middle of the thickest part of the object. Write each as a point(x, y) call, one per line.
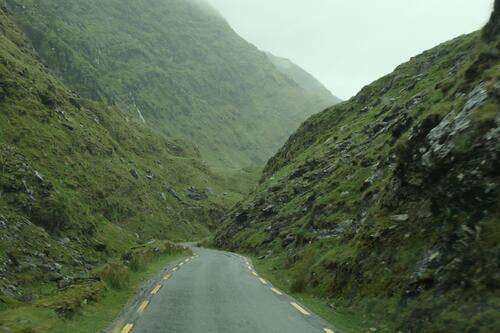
point(219, 292)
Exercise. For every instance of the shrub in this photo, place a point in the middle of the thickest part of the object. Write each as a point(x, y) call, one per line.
point(114, 274)
point(140, 257)
point(299, 283)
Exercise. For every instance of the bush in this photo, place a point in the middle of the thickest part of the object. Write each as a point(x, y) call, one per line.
point(140, 260)
point(140, 257)
point(299, 283)
point(114, 274)
point(51, 213)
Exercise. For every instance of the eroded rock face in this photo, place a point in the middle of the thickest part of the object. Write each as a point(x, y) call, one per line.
point(441, 139)
point(393, 194)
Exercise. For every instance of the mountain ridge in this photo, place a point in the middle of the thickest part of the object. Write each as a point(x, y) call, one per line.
point(186, 72)
point(302, 78)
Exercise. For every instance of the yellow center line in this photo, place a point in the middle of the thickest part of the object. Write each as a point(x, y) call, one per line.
point(156, 289)
point(254, 273)
point(300, 309)
point(276, 291)
point(263, 281)
point(166, 277)
point(327, 330)
point(142, 307)
point(127, 328)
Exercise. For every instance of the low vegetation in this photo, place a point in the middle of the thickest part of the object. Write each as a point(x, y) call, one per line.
point(88, 304)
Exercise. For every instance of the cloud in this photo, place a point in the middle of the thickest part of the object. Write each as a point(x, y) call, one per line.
point(349, 43)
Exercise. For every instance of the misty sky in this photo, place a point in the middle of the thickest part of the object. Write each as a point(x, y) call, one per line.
point(347, 44)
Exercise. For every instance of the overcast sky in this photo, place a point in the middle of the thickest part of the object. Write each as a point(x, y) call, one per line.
point(347, 44)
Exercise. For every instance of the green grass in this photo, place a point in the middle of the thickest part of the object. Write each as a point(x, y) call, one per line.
point(344, 318)
point(95, 317)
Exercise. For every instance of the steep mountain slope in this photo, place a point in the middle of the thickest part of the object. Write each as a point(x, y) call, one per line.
point(80, 184)
point(177, 65)
point(386, 207)
point(303, 78)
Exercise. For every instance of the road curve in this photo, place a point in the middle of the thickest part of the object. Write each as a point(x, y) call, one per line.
point(219, 292)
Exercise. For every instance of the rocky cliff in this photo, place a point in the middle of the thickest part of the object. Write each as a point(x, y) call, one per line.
point(386, 207)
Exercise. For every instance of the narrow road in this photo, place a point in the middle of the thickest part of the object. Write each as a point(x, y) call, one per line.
point(220, 292)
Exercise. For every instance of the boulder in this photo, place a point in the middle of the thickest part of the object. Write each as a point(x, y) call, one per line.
point(241, 216)
point(399, 217)
point(134, 173)
point(290, 238)
point(268, 210)
point(173, 193)
point(196, 194)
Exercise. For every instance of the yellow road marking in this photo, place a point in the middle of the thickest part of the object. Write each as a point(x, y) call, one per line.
point(174, 269)
point(167, 276)
point(127, 328)
point(263, 281)
point(327, 330)
point(186, 260)
point(250, 268)
point(156, 289)
point(300, 309)
point(254, 273)
point(181, 264)
point(276, 291)
point(142, 307)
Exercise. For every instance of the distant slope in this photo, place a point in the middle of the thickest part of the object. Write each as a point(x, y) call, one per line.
point(79, 183)
point(386, 207)
point(177, 65)
point(303, 78)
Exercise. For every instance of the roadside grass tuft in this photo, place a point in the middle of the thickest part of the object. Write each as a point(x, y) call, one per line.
point(115, 274)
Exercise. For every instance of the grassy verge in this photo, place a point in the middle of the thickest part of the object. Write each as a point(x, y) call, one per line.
point(346, 319)
point(95, 317)
point(87, 307)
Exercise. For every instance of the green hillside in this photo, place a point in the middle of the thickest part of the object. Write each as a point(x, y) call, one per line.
point(81, 184)
point(176, 64)
point(382, 213)
point(303, 78)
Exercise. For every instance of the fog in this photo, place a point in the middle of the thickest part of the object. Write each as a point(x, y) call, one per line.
point(347, 44)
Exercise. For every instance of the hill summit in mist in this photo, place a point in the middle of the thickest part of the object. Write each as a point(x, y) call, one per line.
point(175, 65)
